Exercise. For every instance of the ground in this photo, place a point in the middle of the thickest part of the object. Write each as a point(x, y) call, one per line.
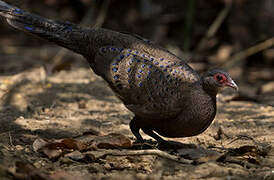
point(58, 120)
point(68, 104)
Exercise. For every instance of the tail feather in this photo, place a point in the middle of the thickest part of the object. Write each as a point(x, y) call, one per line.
point(62, 33)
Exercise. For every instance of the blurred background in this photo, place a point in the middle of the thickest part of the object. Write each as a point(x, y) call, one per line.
point(237, 35)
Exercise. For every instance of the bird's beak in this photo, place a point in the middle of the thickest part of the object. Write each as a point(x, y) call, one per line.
point(232, 84)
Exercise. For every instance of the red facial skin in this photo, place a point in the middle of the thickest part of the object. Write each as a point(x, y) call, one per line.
point(221, 78)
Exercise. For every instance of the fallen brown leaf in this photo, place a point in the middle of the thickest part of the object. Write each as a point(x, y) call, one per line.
point(111, 141)
point(54, 149)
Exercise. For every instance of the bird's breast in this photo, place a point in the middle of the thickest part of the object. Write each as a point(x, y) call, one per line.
point(195, 118)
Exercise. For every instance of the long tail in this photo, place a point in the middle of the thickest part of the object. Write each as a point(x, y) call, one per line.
point(64, 34)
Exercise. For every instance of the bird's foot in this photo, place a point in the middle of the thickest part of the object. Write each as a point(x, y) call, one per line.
point(170, 145)
point(145, 144)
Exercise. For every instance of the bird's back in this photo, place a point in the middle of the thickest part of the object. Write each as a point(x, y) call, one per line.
point(147, 78)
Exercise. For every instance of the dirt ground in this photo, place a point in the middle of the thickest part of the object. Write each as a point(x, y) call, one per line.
point(37, 108)
point(69, 125)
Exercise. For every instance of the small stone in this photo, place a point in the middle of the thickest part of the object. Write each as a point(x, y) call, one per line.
point(82, 104)
point(75, 155)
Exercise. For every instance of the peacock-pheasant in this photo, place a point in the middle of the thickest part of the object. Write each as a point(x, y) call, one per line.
point(166, 95)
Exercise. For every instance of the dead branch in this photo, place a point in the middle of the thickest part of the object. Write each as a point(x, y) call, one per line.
point(102, 14)
point(85, 22)
point(10, 138)
point(242, 137)
point(234, 60)
point(154, 152)
point(215, 25)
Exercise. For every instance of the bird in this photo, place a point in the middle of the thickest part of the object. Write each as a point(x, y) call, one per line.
point(168, 98)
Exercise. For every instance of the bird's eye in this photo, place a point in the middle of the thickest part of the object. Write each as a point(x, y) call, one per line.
point(219, 77)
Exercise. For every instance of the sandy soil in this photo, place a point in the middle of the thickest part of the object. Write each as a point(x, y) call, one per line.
point(238, 145)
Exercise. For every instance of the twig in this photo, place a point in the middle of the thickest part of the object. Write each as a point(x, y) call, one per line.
point(155, 152)
point(242, 137)
point(234, 60)
point(188, 24)
point(52, 105)
point(85, 22)
point(244, 164)
point(3, 95)
point(11, 143)
point(102, 15)
point(215, 25)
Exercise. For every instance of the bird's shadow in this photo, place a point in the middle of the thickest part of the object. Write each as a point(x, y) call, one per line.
point(166, 146)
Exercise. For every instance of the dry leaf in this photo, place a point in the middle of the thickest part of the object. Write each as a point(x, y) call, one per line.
point(54, 149)
point(38, 144)
point(112, 141)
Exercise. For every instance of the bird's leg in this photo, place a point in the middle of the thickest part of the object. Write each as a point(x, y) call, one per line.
point(152, 134)
point(162, 144)
point(135, 129)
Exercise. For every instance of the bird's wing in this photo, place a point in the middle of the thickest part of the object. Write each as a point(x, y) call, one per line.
point(147, 85)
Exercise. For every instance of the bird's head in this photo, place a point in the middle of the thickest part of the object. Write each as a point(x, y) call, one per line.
point(215, 80)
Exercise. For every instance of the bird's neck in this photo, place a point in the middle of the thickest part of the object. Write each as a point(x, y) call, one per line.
point(209, 89)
